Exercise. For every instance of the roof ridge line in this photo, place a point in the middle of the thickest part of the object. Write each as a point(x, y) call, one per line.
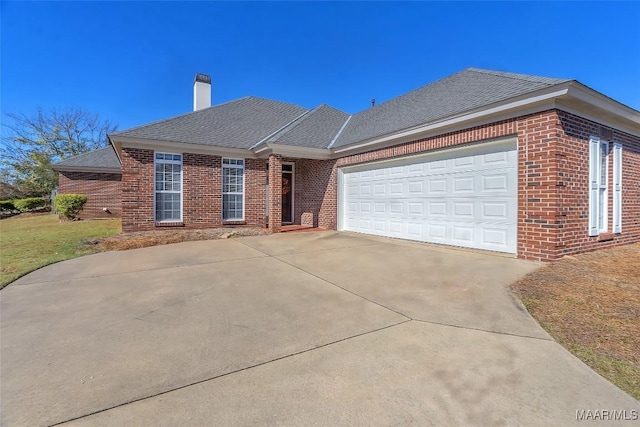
point(515, 76)
point(279, 130)
point(335, 138)
point(295, 123)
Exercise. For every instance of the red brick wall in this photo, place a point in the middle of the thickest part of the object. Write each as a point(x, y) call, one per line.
point(318, 187)
point(573, 185)
point(275, 189)
point(137, 189)
point(255, 192)
point(102, 191)
point(202, 191)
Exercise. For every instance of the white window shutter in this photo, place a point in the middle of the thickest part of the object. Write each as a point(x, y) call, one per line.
point(594, 165)
point(617, 188)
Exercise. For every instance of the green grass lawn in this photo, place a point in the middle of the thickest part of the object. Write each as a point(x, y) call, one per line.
point(29, 243)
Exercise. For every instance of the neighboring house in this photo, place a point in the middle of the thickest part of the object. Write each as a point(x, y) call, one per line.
point(97, 175)
point(533, 166)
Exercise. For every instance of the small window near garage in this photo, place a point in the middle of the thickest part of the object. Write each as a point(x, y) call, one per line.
point(599, 186)
point(617, 188)
point(168, 187)
point(233, 189)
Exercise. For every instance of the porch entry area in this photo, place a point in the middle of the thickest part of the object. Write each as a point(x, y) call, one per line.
point(287, 200)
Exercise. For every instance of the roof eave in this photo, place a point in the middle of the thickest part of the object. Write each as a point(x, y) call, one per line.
point(266, 149)
point(179, 147)
point(90, 169)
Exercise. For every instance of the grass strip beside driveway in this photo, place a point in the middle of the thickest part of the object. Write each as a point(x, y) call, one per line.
point(30, 242)
point(590, 303)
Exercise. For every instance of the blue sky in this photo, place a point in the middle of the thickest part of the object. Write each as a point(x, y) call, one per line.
point(134, 62)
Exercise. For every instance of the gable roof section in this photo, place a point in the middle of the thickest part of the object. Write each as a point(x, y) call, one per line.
point(315, 129)
point(102, 160)
point(235, 124)
point(464, 91)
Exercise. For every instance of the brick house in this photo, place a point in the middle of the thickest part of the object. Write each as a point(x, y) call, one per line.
point(533, 166)
point(97, 175)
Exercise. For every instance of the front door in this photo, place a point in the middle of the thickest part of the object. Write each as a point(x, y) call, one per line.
point(287, 193)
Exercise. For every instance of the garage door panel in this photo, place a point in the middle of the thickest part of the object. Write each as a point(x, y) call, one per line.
point(496, 210)
point(462, 234)
point(437, 208)
point(437, 166)
point(380, 189)
point(465, 162)
point(416, 187)
point(437, 186)
point(464, 184)
point(415, 208)
point(494, 236)
point(465, 200)
point(437, 232)
point(495, 159)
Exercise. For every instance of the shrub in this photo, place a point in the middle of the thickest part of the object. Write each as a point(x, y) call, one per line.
point(70, 205)
point(7, 205)
point(25, 205)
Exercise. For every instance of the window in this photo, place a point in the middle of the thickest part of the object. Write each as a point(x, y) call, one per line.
point(233, 189)
point(599, 186)
point(168, 180)
point(617, 188)
point(598, 161)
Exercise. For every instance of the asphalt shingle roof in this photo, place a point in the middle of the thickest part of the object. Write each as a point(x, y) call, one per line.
point(102, 158)
point(314, 130)
point(247, 121)
point(235, 124)
point(467, 90)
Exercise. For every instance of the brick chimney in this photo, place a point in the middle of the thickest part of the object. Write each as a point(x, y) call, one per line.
point(201, 92)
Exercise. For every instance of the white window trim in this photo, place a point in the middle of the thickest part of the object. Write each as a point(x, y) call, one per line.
point(244, 181)
point(617, 188)
point(155, 191)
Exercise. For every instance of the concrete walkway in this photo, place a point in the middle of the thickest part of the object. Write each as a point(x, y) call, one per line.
point(294, 329)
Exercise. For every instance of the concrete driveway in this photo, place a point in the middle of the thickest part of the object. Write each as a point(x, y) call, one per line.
point(318, 328)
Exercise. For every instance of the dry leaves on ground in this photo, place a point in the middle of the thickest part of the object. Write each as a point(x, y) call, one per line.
point(163, 237)
point(591, 299)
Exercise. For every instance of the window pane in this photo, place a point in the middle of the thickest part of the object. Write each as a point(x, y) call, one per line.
point(601, 209)
point(232, 189)
point(168, 184)
point(603, 165)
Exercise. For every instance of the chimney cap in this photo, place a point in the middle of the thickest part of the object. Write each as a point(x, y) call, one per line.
point(204, 78)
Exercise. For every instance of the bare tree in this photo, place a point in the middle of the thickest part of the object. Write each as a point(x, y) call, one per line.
point(31, 144)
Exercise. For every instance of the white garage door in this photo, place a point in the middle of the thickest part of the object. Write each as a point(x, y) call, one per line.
point(463, 197)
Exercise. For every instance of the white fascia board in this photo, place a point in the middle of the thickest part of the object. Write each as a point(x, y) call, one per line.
point(182, 147)
point(581, 113)
point(293, 151)
point(590, 96)
point(90, 169)
point(116, 148)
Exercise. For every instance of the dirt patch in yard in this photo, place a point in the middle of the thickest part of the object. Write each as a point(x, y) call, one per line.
point(590, 303)
point(163, 237)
